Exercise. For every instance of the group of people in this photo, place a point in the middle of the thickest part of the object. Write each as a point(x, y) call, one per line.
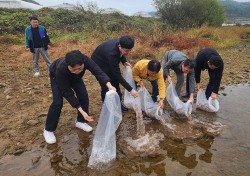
point(66, 74)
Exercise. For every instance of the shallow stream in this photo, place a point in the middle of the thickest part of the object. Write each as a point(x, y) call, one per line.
point(226, 154)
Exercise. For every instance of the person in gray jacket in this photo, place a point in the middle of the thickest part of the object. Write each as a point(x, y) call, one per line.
point(181, 64)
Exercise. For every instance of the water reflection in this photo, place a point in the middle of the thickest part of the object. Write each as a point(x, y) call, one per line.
point(227, 154)
point(177, 153)
point(71, 154)
point(206, 145)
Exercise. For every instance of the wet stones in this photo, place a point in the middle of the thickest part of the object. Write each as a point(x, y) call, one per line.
point(184, 132)
point(210, 129)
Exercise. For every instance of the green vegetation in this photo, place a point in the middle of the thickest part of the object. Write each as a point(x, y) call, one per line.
point(60, 22)
point(190, 13)
point(81, 25)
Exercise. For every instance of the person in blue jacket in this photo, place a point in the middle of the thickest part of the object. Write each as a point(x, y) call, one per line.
point(37, 41)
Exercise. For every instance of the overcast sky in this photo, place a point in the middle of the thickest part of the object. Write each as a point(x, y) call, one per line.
point(127, 7)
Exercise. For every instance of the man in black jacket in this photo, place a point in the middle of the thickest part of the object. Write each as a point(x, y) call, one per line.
point(209, 58)
point(107, 56)
point(66, 81)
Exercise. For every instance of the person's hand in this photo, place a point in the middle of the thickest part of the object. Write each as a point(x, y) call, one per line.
point(161, 104)
point(169, 79)
point(88, 118)
point(27, 49)
point(110, 87)
point(85, 115)
point(134, 93)
point(49, 46)
point(191, 98)
point(141, 83)
point(198, 86)
point(127, 64)
point(213, 96)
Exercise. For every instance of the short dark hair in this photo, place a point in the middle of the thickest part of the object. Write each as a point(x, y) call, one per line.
point(189, 63)
point(74, 58)
point(127, 42)
point(154, 66)
point(216, 61)
point(33, 18)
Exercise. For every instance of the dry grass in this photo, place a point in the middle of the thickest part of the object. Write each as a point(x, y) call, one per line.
point(153, 45)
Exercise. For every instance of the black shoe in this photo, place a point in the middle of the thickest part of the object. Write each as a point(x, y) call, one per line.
point(185, 95)
point(124, 109)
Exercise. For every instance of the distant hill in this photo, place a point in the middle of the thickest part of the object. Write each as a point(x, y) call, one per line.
point(236, 9)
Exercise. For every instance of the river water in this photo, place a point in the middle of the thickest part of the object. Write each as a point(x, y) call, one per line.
point(226, 154)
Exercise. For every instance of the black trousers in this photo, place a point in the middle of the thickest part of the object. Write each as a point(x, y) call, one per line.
point(57, 104)
point(210, 85)
point(114, 83)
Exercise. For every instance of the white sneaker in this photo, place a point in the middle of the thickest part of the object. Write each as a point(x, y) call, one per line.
point(84, 126)
point(37, 74)
point(49, 137)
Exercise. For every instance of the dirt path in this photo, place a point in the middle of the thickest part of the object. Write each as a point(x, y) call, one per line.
point(24, 99)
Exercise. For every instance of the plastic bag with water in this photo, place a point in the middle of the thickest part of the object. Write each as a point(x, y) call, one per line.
point(174, 101)
point(209, 105)
point(133, 103)
point(150, 107)
point(128, 98)
point(104, 142)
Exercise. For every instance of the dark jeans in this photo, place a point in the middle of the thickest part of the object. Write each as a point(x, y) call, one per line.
point(187, 84)
point(57, 104)
point(210, 86)
point(115, 83)
point(155, 90)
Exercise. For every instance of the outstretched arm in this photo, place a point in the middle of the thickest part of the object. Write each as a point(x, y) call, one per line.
point(85, 115)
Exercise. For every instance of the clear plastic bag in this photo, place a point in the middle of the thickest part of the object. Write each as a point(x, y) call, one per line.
point(104, 142)
point(128, 98)
point(152, 109)
point(133, 103)
point(148, 105)
point(209, 105)
point(174, 101)
point(142, 103)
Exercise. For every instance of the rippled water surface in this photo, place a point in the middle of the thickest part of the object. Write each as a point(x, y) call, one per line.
point(226, 154)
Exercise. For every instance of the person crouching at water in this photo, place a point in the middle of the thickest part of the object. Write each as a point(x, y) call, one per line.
point(209, 59)
point(66, 81)
point(152, 71)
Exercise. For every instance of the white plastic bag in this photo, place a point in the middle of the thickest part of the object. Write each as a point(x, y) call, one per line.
point(174, 101)
point(209, 105)
point(104, 142)
point(133, 103)
point(128, 98)
point(148, 105)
